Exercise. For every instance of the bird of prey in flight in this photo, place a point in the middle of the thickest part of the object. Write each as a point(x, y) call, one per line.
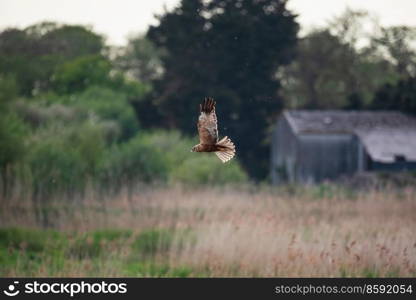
point(208, 133)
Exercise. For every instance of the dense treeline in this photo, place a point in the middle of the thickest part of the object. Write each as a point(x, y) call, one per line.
point(67, 120)
point(353, 63)
point(77, 112)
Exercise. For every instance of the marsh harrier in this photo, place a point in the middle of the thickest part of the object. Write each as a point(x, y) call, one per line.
point(208, 133)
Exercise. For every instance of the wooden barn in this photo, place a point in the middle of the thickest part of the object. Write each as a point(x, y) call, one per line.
point(309, 146)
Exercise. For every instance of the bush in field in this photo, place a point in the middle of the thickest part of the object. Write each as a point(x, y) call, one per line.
point(165, 156)
point(192, 168)
point(134, 161)
point(8, 91)
point(176, 148)
point(55, 167)
point(12, 129)
point(208, 169)
point(63, 159)
point(12, 133)
point(99, 104)
point(39, 114)
point(65, 156)
point(108, 104)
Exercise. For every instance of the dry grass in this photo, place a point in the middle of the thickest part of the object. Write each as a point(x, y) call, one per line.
point(245, 232)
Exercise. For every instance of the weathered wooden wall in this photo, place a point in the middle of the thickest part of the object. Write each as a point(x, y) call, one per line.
point(283, 153)
point(311, 158)
point(326, 156)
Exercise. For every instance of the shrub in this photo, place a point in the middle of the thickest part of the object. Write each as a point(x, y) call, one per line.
point(8, 91)
point(62, 159)
point(12, 134)
point(108, 104)
point(96, 103)
point(175, 147)
point(192, 168)
point(38, 114)
point(208, 169)
point(81, 72)
point(56, 167)
point(133, 161)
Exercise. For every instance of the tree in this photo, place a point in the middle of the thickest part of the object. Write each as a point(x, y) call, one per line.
point(76, 75)
point(401, 96)
point(33, 54)
point(141, 59)
point(397, 42)
point(350, 27)
point(313, 80)
point(229, 50)
point(337, 66)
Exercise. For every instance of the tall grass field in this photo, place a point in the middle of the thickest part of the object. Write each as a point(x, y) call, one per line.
point(212, 232)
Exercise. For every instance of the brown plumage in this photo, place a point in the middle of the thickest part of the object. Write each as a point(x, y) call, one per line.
point(208, 133)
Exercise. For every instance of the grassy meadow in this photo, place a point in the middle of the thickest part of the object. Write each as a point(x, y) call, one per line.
point(234, 231)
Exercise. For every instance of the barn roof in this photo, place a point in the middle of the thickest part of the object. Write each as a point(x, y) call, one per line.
point(386, 135)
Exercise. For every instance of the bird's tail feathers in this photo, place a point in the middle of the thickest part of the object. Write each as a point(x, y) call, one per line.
point(226, 149)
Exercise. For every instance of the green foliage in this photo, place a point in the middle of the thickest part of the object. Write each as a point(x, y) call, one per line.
point(401, 96)
point(64, 161)
point(38, 114)
point(107, 104)
point(398, 43)
point(331, 71)
point(105, 107)
point(208, 170)
point(67, 119)
point(34, 54)
point(174, 145)
point(165, 156)
point(331, 74)
point(84, 71)
point(345, 65)
point(133, 161)
point(141, 59)
point(13, 132)
point(56, 168)
point(192, 168)
point(67, 40)
point(8, 91)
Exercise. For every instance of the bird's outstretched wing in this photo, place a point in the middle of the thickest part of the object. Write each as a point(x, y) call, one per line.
point(207, 123)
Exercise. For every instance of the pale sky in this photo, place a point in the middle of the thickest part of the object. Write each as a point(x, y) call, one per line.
point(117, 19)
